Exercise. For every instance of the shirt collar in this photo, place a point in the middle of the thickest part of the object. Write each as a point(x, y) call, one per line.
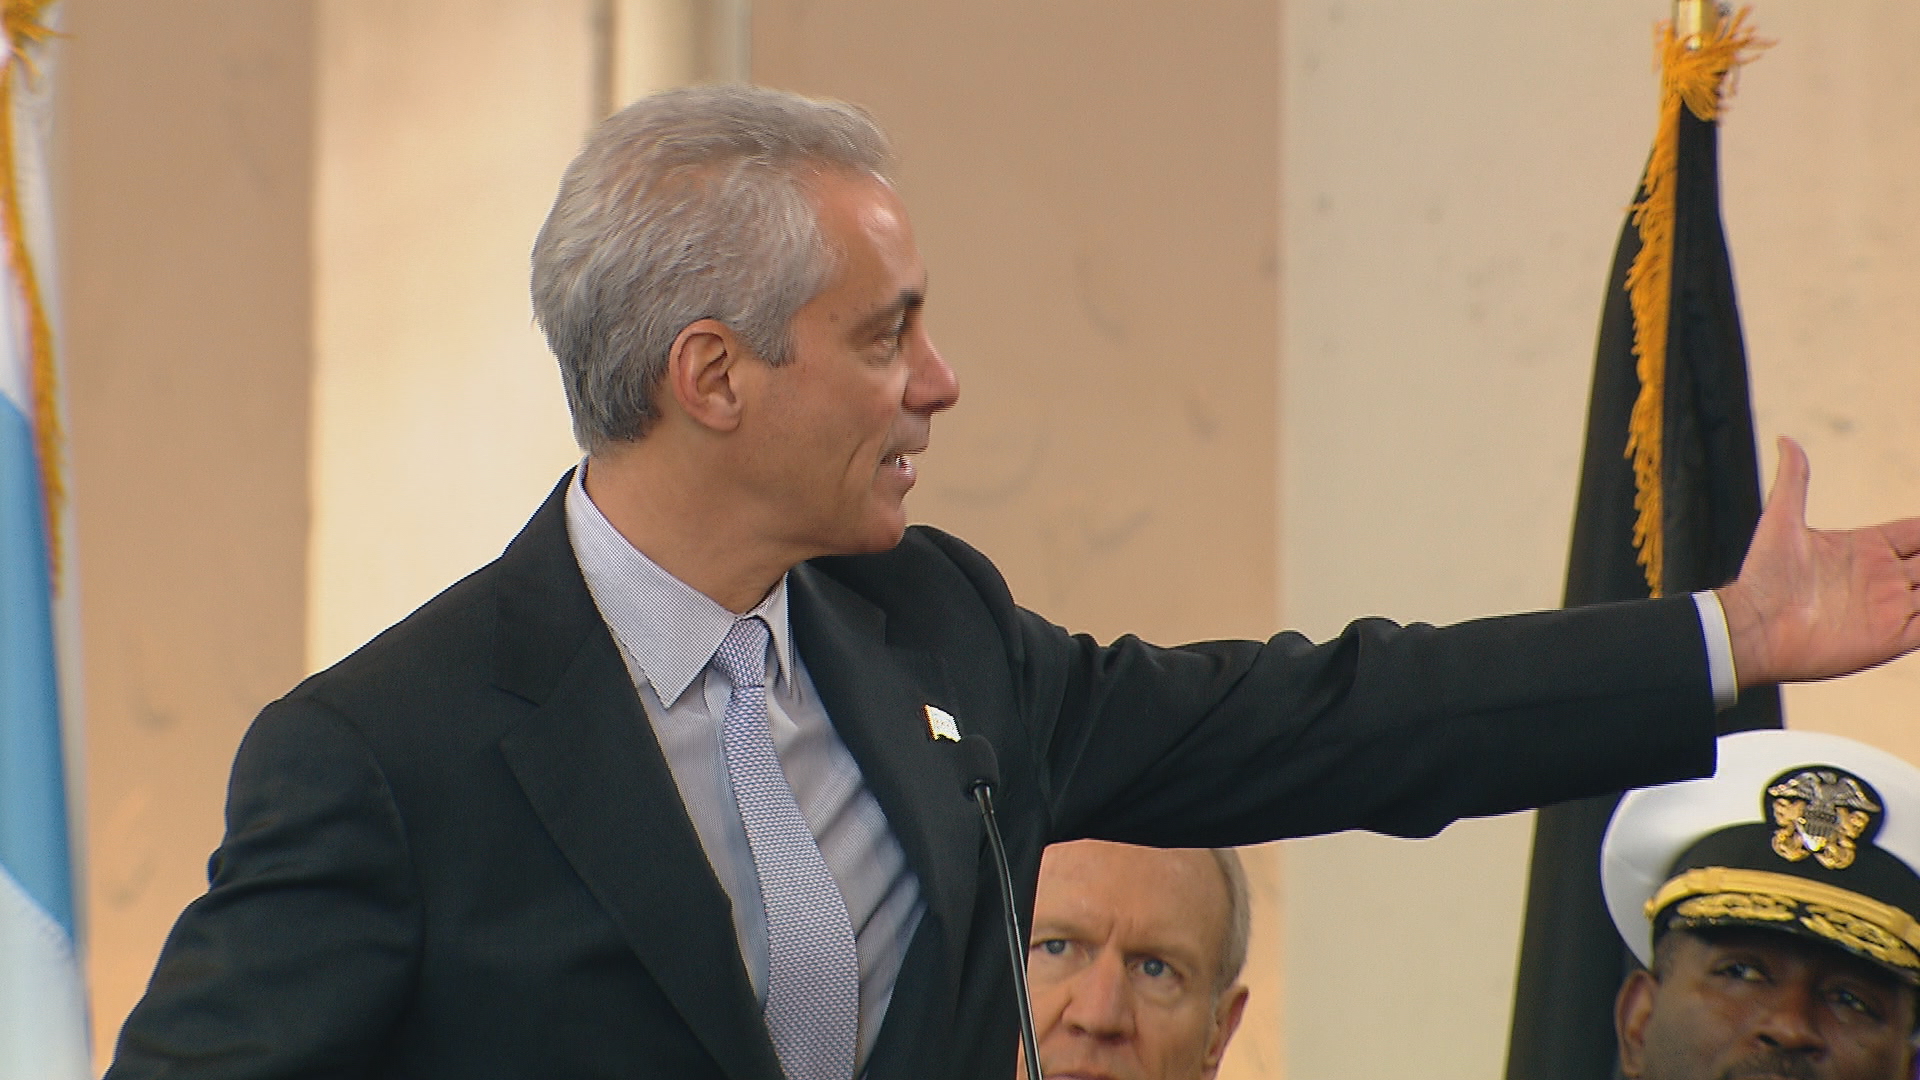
point(669, 629)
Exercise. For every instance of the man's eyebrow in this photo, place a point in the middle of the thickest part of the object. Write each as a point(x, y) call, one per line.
point(1044, 929)
point(1166, 947)
point(908, 300)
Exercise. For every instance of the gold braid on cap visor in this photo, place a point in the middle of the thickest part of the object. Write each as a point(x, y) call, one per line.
point(1863, 925)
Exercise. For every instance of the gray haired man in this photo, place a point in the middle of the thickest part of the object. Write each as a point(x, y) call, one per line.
point(670, 789)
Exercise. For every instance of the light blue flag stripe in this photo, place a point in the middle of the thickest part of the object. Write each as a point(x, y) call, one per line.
point(33, 801)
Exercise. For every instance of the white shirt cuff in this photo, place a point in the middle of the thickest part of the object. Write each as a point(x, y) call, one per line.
point(1713, 626)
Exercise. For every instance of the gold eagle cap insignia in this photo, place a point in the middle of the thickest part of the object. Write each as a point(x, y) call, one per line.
point(940, 724)
point(1820, 812)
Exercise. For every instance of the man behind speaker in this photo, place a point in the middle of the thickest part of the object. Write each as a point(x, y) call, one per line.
point(1136, 958)
point(1774, 906)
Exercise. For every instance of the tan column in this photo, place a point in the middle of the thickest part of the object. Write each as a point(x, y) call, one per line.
point(184, 187)
point(1455, 179)
point(438, 422)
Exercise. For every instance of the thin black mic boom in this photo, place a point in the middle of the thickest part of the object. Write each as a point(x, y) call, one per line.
point(983, 775)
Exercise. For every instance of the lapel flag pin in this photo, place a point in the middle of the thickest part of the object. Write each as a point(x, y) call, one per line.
point(940, 724)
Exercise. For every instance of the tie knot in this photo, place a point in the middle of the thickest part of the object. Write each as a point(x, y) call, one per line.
point(743, 655)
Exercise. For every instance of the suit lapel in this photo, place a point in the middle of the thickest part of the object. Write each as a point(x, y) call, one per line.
point(590, 766)
point(876, 695)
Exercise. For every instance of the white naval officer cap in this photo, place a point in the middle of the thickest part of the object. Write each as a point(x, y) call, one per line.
point(1796, 831)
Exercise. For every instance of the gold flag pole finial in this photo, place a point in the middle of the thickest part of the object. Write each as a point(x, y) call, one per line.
point(1695, 20)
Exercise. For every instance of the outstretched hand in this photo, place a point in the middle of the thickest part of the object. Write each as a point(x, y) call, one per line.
point(1811, 604)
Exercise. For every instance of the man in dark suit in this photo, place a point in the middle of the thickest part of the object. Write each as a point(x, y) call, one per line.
point(672, 788)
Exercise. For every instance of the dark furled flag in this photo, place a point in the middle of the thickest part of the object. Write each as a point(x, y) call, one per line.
point(1669, 495)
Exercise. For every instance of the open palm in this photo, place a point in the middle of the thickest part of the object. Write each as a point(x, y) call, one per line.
point(1814, 604)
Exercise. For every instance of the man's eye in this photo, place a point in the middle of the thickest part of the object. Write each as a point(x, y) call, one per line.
point(1052, 946)
point(1741, 970)
point(1853, 1002)
point(1154, 967)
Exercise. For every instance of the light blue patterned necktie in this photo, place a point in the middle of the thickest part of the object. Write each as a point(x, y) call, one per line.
point(813, 968)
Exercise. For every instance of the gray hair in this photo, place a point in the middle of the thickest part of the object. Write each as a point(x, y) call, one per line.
point(1233, 950)
point(686, 205)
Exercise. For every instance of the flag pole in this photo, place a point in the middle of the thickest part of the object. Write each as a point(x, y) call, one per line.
point(1673, 514)
point(1695, 20)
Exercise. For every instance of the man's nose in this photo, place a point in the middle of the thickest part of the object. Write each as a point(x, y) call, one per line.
point(933, 386)
point(1791, 1020)
point(1101, 1000)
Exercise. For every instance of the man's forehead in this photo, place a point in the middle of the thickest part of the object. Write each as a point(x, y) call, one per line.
point(1089, 858)
point(864, 199)
point(1089, 879)
point(882, 214)
point(880, 272)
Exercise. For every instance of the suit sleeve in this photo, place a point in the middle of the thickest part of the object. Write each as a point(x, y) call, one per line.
point(1394, 729)
point(298, 958)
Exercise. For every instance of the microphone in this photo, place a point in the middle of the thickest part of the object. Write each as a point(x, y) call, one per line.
point(982, 771)
point(979, 764)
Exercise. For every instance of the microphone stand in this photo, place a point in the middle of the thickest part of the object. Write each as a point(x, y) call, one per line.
point(982, 792)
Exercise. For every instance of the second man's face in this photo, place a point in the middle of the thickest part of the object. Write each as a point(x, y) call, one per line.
point(1125, 963)
point(1744, 1003)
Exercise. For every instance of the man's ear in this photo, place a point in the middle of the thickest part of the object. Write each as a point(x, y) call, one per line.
point(1631, 1011)
point(703, 372)
point(1913, 1033)
point(1226, 1020)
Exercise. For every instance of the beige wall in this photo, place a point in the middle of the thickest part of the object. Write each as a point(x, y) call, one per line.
point(183, 188)
point(1454, 183)
point(1821, 152)
point(1094, 191)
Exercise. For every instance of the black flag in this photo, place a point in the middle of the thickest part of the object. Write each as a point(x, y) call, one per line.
point(1704, 478)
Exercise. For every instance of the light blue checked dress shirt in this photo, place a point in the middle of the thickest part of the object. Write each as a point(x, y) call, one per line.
point(667, 632)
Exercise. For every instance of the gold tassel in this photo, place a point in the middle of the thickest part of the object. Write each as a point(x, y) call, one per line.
point(1692, 73)
point(25, 28)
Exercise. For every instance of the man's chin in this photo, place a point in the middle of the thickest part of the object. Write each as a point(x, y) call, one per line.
point(878, 538)
point(883, 543)
point(884, 532)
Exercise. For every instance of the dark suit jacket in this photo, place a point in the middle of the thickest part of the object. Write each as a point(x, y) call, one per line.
point(459, 853)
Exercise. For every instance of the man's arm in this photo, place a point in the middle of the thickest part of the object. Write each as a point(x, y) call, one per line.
point(1812, 604)
point(296, 960)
